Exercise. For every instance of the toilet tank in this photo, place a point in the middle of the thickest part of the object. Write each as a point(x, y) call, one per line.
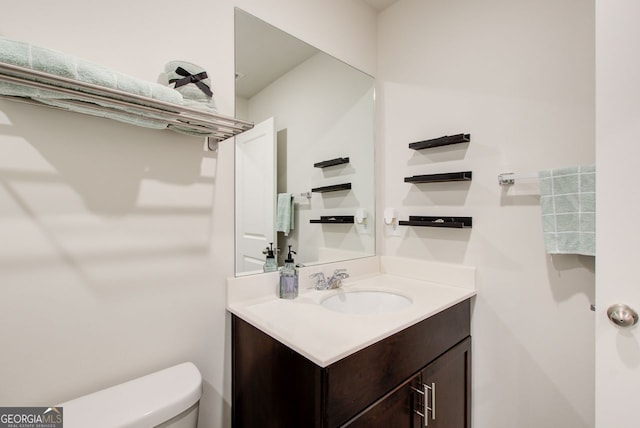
point(167, 398)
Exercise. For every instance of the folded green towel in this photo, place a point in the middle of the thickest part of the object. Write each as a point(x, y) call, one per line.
point(568, 203)
point(60, 64)
point(68, 66)
point(284, 213)
point(115, 112)
point(16, 53)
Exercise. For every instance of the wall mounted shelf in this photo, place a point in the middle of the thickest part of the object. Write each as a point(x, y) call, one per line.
point(332, 162)
point(439, 178)
point(334, 219)
point(334, 188)
point(442, 141)
point(99, 100)
point(430, 221)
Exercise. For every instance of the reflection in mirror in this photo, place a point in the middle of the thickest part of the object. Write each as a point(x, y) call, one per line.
point(309, 108)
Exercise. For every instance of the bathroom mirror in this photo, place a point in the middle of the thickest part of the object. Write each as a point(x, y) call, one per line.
point(312, 149)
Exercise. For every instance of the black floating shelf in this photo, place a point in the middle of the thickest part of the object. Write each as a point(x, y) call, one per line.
point(334, 188)
point(332, 162)
point(334, 219)
point(439, 178)
point(442, 141)
point(455, 222)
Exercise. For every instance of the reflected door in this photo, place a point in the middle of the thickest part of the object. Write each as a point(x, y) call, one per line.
point(255, 195)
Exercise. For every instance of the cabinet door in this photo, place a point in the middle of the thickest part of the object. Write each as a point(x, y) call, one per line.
point(446, 389)
point(394, 410)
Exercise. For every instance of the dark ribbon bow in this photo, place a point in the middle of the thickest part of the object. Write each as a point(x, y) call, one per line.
point(196, 79)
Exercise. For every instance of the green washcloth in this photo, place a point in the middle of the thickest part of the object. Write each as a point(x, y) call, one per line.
point(284, 213)
point(568, 203)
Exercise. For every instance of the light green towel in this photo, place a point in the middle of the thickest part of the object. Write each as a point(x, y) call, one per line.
point(568, 203)
point(114, 113)
point(60, 64)
point(284, 215)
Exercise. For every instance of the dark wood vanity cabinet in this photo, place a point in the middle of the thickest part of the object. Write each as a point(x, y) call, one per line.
point(444, 384)
point(381, 385)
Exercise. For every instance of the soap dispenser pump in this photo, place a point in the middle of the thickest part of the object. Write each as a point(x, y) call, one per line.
point(288, 278)
point(270, 264)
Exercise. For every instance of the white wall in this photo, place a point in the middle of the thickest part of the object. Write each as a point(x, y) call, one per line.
point(326, 110)
point(519, 76)
point(117, 240)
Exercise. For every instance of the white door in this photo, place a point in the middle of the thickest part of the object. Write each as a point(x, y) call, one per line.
point(618, 210)
point(255, 195)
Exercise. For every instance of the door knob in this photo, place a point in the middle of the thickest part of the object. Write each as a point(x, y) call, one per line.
point(622, 315)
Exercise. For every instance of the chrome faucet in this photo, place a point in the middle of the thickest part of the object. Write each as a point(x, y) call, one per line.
point(335, 281)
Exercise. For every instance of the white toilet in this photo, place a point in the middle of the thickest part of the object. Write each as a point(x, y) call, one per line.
point(168, 399)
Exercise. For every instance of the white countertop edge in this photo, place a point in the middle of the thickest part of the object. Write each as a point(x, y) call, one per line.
point(257, 323)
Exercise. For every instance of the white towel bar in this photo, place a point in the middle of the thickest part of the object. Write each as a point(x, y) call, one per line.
point(507, 178)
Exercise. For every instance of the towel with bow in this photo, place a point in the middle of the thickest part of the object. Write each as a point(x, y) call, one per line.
point(192, 82)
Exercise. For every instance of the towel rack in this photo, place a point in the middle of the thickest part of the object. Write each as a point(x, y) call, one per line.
point(212, 125)
point(507, 178)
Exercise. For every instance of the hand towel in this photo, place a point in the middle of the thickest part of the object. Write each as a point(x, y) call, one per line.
point(568, 203)
point(284, 215)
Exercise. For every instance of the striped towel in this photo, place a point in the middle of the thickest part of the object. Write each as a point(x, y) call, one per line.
point(568, 202)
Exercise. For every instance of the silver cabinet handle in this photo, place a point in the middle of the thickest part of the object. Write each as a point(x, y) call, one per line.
point(421, 392)
point(428, 388)
point(622, 315)
point(425, 402)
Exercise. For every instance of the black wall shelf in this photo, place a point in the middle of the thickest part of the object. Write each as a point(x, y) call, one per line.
point(334, 219)
point(332, 162)
point(442, 141)
point(334, 188)
point(454, 222)
point(439, 178)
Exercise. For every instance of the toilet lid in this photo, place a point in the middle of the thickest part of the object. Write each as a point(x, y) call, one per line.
point(143, 402)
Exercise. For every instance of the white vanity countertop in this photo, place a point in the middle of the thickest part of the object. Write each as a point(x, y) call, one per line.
point(325, 336)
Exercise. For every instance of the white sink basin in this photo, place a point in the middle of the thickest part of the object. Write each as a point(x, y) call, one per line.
point(366, 302)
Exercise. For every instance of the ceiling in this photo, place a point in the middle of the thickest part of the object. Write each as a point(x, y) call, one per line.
point(380, 5)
